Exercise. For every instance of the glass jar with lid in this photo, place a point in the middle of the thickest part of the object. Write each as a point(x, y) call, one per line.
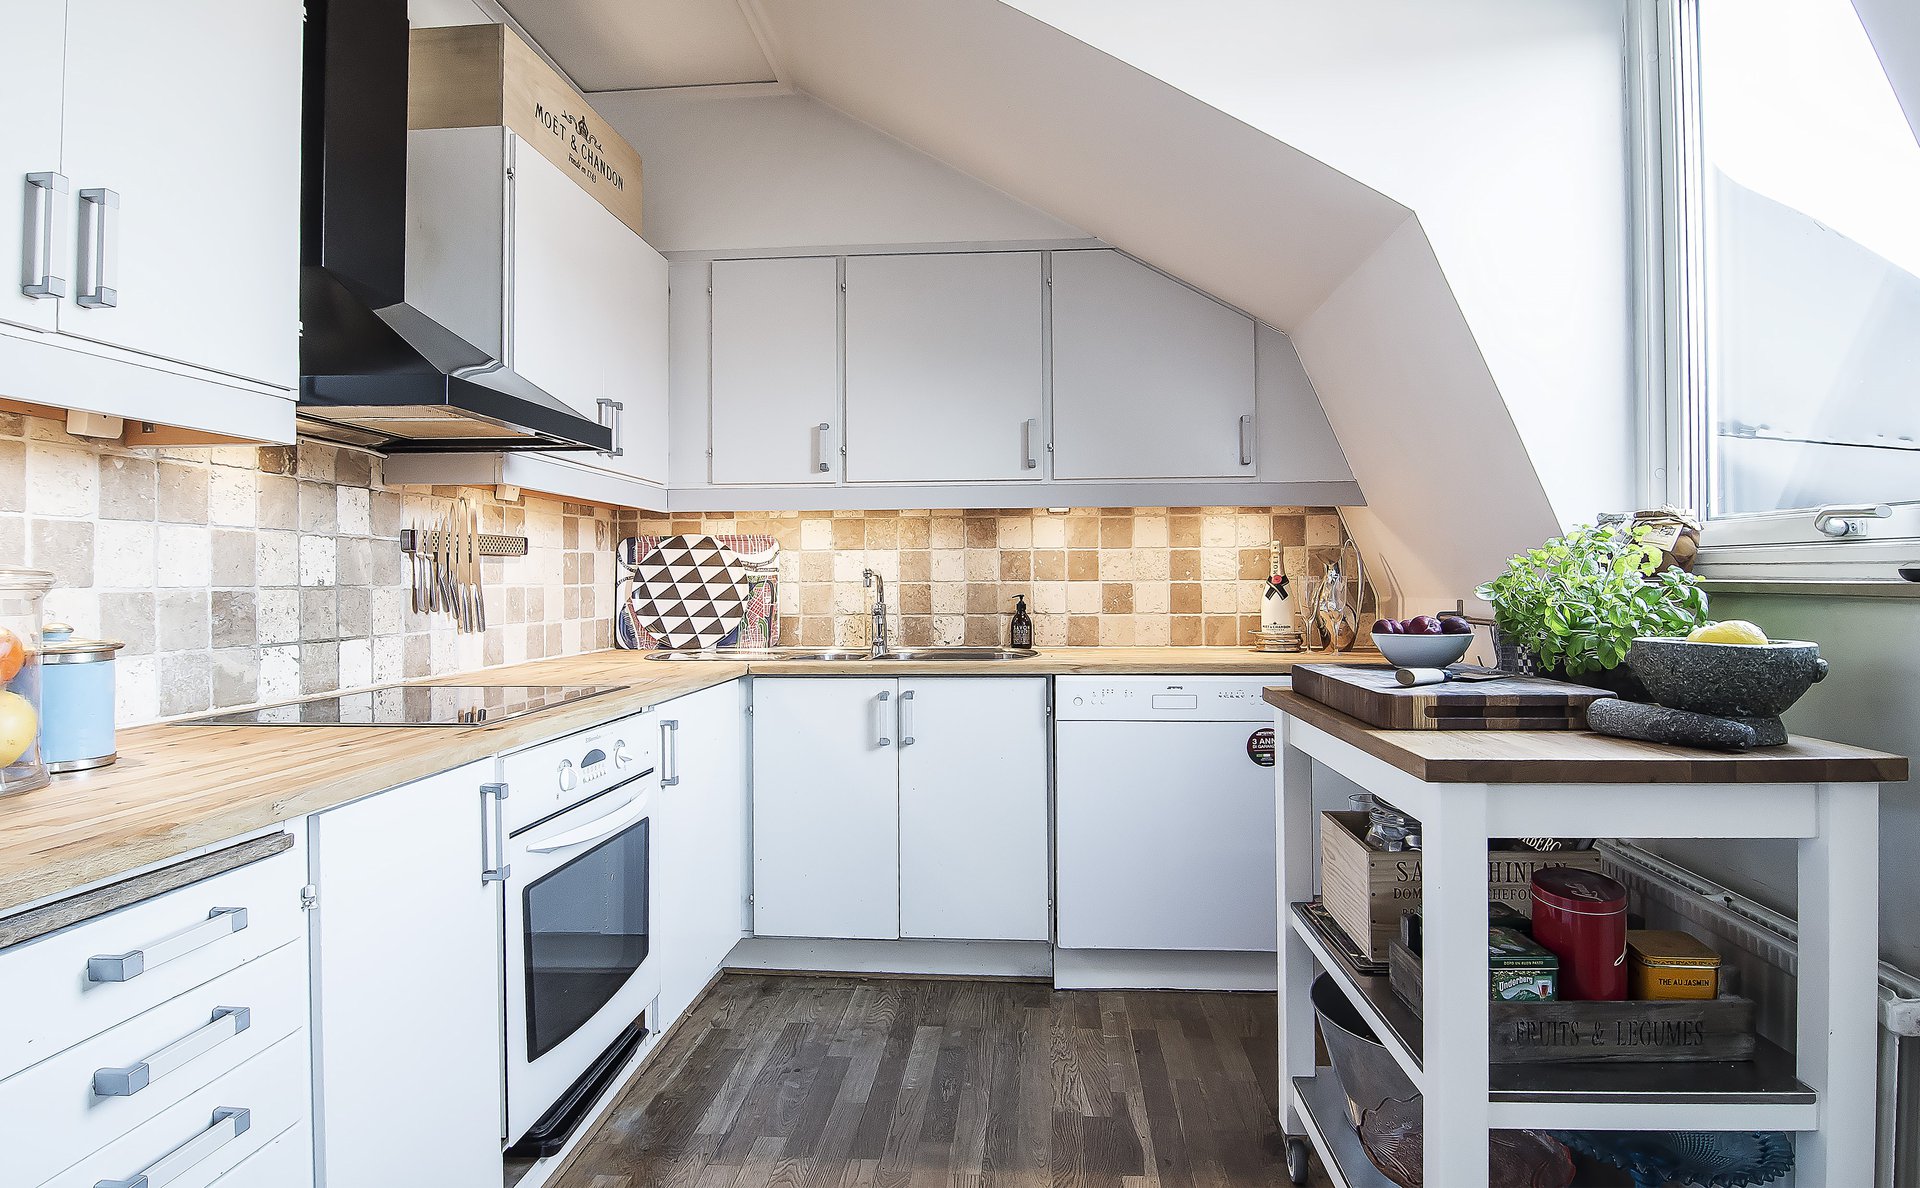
point(21, 591)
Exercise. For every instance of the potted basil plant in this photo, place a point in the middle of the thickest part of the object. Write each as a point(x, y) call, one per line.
point(1577, 602)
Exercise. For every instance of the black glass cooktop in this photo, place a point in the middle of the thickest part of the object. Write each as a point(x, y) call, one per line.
point(413, 705)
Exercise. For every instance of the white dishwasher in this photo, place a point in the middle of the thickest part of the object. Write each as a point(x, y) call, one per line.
point(1164, 833)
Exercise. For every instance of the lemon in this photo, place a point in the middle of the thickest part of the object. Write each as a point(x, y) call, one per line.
point(1733, 631)
point(18, 726)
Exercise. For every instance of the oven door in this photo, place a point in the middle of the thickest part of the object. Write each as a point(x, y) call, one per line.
point(577, 937)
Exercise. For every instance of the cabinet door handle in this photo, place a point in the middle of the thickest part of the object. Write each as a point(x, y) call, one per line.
point(880, 738)
point(124, 967)
point(498, 872)
point(906, 718)
point(1029, 430)
point(228, 1124)
point(1246, 440)
point(227, 1022)
point(669, 753)
point(46, 231)
point(99, 242)
point(821, 445)
point(612, 412)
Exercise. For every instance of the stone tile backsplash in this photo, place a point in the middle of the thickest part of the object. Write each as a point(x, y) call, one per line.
point(1170, 576)
point(241, 574)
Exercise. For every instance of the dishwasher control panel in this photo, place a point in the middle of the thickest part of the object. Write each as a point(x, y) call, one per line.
point(1163, 698)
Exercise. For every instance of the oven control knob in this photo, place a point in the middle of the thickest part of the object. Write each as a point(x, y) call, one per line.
point(569, 778)
point(621, 756)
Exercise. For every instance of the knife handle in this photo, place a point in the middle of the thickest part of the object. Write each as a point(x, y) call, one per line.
point(1412, 678)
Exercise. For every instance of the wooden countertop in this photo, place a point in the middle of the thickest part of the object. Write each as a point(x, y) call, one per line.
point(1580, 757)
point(178, 788)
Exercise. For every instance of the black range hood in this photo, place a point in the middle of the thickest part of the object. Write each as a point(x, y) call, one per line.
point(362, 381)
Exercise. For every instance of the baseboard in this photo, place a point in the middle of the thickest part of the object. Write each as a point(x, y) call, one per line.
point(1026, 960)
point(1156, 969)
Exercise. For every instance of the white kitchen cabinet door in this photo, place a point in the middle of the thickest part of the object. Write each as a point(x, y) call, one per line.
point(1170, 848)
point(945, 368)
point(776, 371)
point(826, 843)
point(586, 325)
point(701, 875)
point(181, 141)
point(973, 808)
point(1150, 378)
point(33, 214)
point(406, 987)
point(634, 402)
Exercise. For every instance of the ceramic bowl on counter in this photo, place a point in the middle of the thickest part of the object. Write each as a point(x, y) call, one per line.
point(1422, 651)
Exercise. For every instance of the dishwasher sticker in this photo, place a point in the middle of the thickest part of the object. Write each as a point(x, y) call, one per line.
point(1260, 746)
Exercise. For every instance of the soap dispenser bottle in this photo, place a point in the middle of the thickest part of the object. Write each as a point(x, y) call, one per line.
point(1021, 634)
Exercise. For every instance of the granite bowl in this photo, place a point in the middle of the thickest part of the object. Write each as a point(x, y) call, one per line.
point(1726, 680)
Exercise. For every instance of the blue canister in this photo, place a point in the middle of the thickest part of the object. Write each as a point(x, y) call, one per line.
point(76, 700)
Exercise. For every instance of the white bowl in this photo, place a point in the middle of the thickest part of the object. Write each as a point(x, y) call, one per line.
point(1422, 651)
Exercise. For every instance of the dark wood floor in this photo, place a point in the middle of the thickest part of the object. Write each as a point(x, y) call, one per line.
point(851, 1083)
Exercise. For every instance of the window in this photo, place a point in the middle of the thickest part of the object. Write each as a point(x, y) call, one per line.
point(1792, 234)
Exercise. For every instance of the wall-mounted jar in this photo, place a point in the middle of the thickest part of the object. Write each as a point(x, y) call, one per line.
point(76, 701)
point(21, 590)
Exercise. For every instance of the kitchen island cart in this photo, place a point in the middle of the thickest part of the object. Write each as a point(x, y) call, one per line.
point(1467, 787)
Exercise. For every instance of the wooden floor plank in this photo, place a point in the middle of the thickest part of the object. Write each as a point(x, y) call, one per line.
point(791, 1082)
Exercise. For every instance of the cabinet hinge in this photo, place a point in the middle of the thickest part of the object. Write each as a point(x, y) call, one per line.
point(309, 897)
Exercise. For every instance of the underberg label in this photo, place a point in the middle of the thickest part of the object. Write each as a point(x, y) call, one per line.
point(585, 150)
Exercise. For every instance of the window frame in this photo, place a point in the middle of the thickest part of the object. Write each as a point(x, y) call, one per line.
point(1670, 326)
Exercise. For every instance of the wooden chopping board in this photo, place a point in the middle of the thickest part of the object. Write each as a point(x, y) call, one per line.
point(1370, 693)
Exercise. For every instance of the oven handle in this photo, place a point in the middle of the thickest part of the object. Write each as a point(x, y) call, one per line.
point(598, 829)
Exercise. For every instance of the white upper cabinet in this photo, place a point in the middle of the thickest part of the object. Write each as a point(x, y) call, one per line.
point(180, 139)
point(1151, 380)
point(776, 371)
point(34, 201)
point(945, 367)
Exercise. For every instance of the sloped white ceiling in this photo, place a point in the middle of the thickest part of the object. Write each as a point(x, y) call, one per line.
point(611, 45)
point(1893, 26)
point(1091, 140)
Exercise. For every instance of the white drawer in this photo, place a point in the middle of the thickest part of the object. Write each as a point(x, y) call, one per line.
point(195, 1141)
point(286, 1162)
point(187, 937)
point(60, 1110)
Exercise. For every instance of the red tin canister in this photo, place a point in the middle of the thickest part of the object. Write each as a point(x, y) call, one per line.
point(1581, 915)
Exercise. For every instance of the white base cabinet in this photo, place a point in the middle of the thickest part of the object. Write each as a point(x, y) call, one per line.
point(700, 881)
point(863, 831)
point(406, 988)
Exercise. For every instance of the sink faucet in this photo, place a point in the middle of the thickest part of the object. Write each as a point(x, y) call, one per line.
point(878, 585)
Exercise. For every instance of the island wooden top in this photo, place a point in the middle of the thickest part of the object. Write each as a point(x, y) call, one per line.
point(177, 789)
point(1580, 757)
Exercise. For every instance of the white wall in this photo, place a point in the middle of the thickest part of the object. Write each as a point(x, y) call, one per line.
point(1450, 490)
point(1894, 28)
point(776, 171)
point(1500, 123)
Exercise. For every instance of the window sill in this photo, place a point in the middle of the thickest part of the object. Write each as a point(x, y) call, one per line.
point(1812, 587)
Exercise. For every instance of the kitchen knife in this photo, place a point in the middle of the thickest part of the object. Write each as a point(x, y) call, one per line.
point(1411, 678)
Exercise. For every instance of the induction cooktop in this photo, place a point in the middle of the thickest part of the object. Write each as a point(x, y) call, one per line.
point(413, 705)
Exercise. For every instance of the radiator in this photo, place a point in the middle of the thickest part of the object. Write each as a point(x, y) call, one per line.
point(1758, 946)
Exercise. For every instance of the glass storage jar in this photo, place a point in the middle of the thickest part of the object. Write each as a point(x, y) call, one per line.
point(21, 767)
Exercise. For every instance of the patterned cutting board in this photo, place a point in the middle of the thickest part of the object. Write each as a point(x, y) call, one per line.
point(690, 592)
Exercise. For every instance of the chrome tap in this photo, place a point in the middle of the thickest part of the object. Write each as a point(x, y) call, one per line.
point(878, 585)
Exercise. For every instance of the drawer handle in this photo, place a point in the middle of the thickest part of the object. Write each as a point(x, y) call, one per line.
point(228, 1123)
point(46, 212)
point(227, 1022)
point(99, 242)
point(124, 967)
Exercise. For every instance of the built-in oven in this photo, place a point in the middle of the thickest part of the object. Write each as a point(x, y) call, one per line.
point(575, 838)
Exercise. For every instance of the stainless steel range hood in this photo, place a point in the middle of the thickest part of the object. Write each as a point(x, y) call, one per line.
point(375, 371)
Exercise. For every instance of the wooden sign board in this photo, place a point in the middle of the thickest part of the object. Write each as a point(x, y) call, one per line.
point(484, 76)
point(1370, 693)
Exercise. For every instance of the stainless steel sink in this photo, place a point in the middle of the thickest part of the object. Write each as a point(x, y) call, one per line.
point(958, 652)
point(765, 655)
